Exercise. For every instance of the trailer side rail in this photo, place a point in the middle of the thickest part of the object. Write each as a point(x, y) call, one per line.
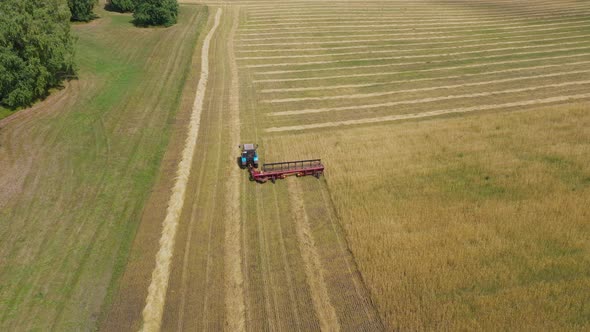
point(291, 165)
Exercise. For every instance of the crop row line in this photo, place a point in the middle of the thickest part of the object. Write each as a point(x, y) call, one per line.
point(346, 15)
point(434, 26)
point(364, 7)
point(375, 84)
point(390, 33)
point(400, 117)
point(464, 43)
point(452, 16)
point(456, 38)
point(427, 100)
point(385, 33)
point(559, 41)
point(417, 70)
point(431, 88)
point(279, 72)
point(416, 22)
point(422, 62)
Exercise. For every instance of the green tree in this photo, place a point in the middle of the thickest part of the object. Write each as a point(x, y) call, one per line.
point(82, 10)
point(36, 49)
point(122, 6)
point(156, 12)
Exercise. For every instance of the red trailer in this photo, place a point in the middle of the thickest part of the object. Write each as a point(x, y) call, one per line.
point(274, 171)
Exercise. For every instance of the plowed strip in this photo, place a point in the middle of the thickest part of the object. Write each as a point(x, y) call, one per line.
point(431, 114)
point(152, 313)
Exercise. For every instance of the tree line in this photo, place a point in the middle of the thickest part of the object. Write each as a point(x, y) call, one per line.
point(37, 48)
point(148, 12)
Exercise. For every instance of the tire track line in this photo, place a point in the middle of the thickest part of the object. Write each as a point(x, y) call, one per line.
point(189, 242)
point(391, 118)
point(359, 287)
point(187, 247)
point(427, 100)
point(313, 267)
point(153, 310)
point(362, 85)
point(234, 279)
point(432, 88)
point(285, 259)
point(267, 275)
point(415, 71)
point(193, 216)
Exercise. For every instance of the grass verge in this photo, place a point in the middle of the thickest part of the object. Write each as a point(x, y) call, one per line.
point(95, 153)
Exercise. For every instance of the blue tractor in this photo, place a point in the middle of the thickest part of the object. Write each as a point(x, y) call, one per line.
point(249, 157)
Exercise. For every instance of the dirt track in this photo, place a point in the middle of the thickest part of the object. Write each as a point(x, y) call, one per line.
point(152, 313)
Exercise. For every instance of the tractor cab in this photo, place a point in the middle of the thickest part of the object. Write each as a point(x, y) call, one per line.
point(249, 156)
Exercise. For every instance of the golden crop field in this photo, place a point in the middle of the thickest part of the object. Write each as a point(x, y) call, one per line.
point(455, 139)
